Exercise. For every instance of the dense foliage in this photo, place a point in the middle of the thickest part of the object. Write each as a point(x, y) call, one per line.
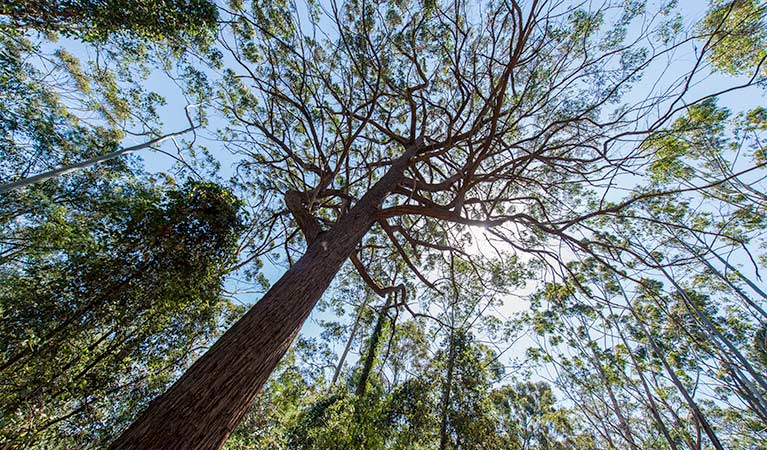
point(110, 279)
point(110, 297)
point(97, 20)
point(558, 211)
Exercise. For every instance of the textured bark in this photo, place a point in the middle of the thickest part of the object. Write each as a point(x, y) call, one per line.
point(205, 405)
point(308, 224)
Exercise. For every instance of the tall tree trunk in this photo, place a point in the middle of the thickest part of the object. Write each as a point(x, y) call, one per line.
point(702, 258)
point(367, 367)
point(446, 392)
point(205, 405)
point(349, 342)
point(696, 412)
point(704, 320)
point(648, 393)
point(623, 423)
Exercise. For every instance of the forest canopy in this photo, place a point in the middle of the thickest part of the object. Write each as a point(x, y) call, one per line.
point(406, 224)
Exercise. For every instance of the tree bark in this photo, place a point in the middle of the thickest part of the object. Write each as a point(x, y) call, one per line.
point(206, 404)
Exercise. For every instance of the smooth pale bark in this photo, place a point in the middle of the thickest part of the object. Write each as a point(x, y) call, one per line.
point(696, 412)
point(712, 328)
point(623, 423)
point(702, 258)
point(45, 176)
point(648, 393)
point(349, 342)
point(207, 403)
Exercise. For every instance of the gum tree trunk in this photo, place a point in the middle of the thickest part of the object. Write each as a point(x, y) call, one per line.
point(205, 405)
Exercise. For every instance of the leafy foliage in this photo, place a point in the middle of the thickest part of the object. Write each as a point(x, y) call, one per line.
point(569, 155)
point(111, 279)
point(97, 20)
point(109, 299)
point(737, 35)
point(411, 413)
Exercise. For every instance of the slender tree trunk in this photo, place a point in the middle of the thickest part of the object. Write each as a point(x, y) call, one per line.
point(700, 418)
point(206, 404)
point(724, 278)
point(443, 432)
point(649, 395)
point(45, 176)
point(367, 367)
point(735, 270)
point(623, 423)
point(703, 318)
point(349, 342)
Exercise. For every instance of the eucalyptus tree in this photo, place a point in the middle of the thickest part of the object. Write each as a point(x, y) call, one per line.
point(111, 279)
point(637, 367)
point(673, 340)
point(96, 20)
point(112, 294)
point(56, 101)
point(376, 131)
point(531, 419)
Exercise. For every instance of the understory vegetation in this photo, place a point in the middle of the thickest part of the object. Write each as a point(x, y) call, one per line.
point(383, 224)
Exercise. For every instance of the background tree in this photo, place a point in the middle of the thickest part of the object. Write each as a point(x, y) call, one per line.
point(111, 278)
point(98, 20)
point(409, 409)
point(109, 299)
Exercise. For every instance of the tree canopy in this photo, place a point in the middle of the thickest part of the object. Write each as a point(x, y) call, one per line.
point(527, 224)
point(97, 20)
